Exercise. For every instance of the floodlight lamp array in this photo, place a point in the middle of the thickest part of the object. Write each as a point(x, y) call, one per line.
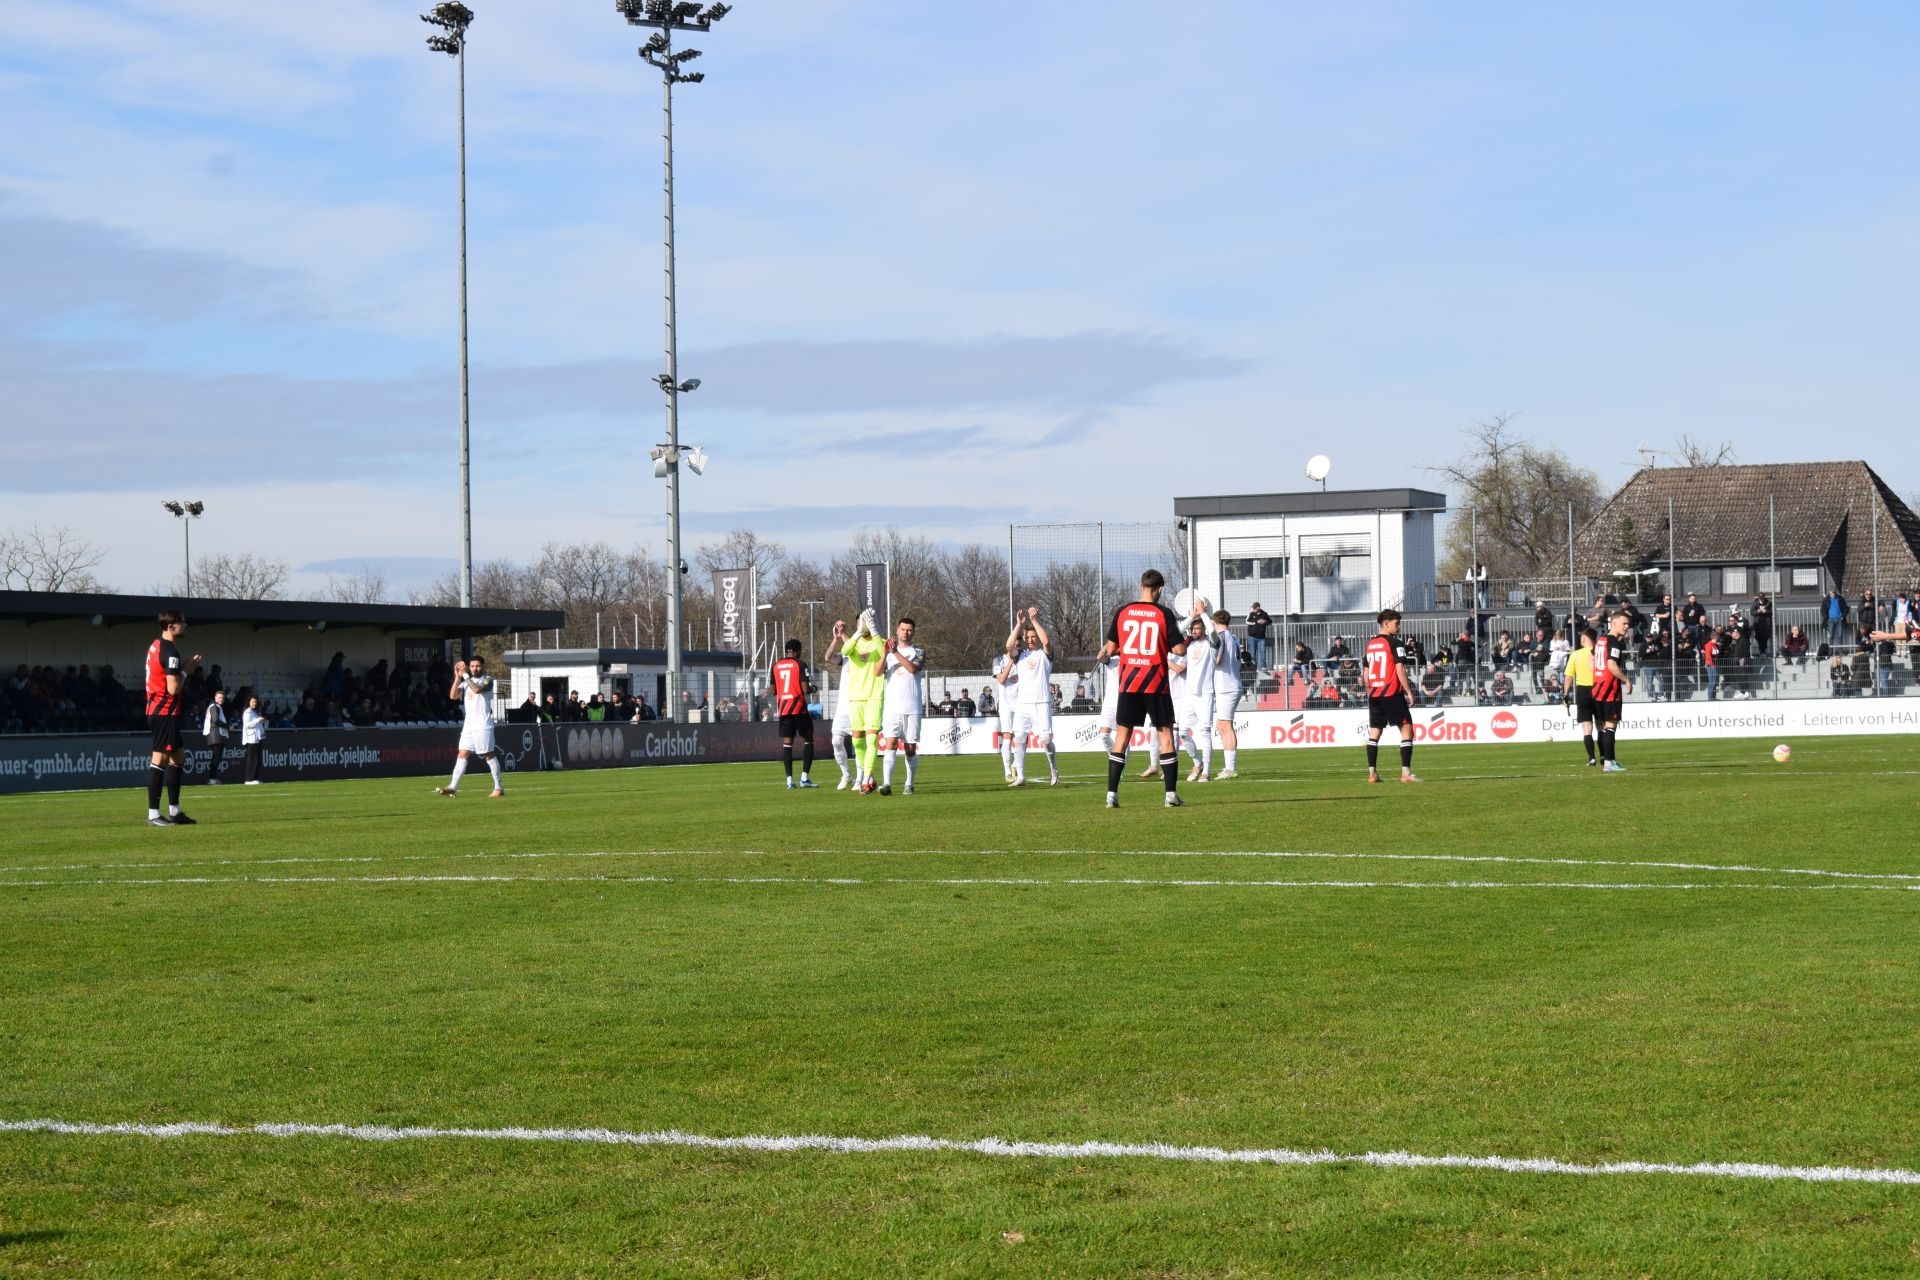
point(454, 19)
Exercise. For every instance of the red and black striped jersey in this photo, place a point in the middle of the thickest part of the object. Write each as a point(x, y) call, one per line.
point(1385, 656)
point(163, 660)
point(1606, 652)
point(790, 687)
point(1144, 633)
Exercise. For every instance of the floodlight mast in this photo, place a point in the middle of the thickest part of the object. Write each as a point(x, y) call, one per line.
point(667, 17)
point(454, 19)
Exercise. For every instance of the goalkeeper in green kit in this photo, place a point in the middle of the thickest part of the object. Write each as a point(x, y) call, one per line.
point(861, 684)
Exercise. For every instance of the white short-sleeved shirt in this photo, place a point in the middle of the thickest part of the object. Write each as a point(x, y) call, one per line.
point(1201, 660)
point(902, 695)
point(1005, 694)
point(478, 699)
point(1035, 670)
point(1226, 675)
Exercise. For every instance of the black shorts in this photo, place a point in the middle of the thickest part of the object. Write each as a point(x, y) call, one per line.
point(1388, 712)
point(1583, 704)
point(1132, 710)
point(1607, 712)
point(800, 726)
point(166, 732)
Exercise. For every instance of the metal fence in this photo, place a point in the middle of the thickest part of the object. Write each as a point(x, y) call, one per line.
point(1078, 574)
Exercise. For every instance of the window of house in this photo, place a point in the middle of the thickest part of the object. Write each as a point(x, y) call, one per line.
point(1733, 582)
point(1236, 570)
point(1806, 579)
point(1769, 580)
point(1336, 574)
point(1696, 582)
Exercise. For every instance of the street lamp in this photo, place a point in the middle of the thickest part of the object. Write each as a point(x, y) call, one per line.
point(454, 19)
point(810, 607)
point(186, 513)
point(667, 17)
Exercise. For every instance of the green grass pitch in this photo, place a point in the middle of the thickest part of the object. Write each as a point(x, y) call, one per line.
point(697, 949)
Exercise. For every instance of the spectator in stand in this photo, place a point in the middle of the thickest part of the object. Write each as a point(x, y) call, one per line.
point(1663, 618)
point(1258, 624)
point(575, 711)
point(1542, 654)
point(309, 716)
point(1862, 662)
point(1543, 618)
point(1597, 616)
point(1477, 576)
point(1500, 692)
point(1902, 612)
point(1433, 681)
point(1868, 614)
point(1739, 661)
point(1502, 655)
point(963, 705)
point(1693, 613)
point(1794, 647)
point(1464, 667)
point(989, 701)
point(1840, 674)
point(1653, 661)
point(1762, 625)
point(1302, 662)
point(596, 709)
point(527, 712)
point(1710, 660)
point(253, 739)
point(1833, 608)
point(1337, 653)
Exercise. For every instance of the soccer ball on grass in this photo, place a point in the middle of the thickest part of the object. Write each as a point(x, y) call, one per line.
point(1782, 753)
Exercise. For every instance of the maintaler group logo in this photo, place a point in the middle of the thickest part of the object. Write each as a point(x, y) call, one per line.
point(1505, 724)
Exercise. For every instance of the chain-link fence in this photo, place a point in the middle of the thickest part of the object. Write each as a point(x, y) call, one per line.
point(1078, 574)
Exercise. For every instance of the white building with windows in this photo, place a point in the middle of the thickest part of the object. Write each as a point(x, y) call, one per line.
point(1354, 551)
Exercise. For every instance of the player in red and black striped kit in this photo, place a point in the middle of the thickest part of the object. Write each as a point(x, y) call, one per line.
point(1390, 694)
point(1610, 686)
point(790, 689)
point(165, 711)
point(1143, 632)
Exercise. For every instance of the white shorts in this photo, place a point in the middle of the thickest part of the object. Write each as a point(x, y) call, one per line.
point(901, 726)
point(477, 738)
point(1110, 704)
point(842, 717)
point(1225, 703)
point(1033, 719)
point(1191, 713)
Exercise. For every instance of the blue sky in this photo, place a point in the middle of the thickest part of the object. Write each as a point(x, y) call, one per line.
point(935, 269)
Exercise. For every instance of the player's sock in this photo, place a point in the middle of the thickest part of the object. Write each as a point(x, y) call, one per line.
point(1203, 750)
point(1373, 757)
point(1233, 755)
point(1053, 761)
point(1006, 753)
point(913, 765)
point(1020, 757)
point(173, 789)
point(1406, 757)
point(1170, 769)
point(493, 767)
point(156, 779)
point(786, 759)
point(1116, 769)
point(1606, 744)
point(1588, 739)
point(459, 772)
point(886, 766)
point(806, 759)
point(840, 753)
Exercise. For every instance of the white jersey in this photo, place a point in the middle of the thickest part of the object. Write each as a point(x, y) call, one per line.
point(1035, 670)
point(478, 697)
point(902, 696)
point(1226, 676)
point(1197, 681)
point(1005, 694)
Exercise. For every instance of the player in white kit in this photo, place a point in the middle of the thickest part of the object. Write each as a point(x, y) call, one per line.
point(842, 731)
point(1193, 691)
point(902, 706)
point(1109, 700)
point(1226, 695)
point(473, 689)
point(1007, 677)
point(1032, 654)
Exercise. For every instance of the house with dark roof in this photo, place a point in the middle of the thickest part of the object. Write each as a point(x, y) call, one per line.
point(1794, 530)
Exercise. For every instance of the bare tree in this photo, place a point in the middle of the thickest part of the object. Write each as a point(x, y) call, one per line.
point(48, 560)
point(742, 549)
point(368, 586)
point(1697, 453)
point(1068, 596)
point(241, 577)
point(1513, 495)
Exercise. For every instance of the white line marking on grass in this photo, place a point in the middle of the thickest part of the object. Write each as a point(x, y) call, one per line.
point(1515, 860)
point(977, 881)
point(1739, 868)
point(998, 1147)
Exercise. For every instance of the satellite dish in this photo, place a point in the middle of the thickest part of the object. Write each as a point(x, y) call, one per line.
point(1318, 466)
